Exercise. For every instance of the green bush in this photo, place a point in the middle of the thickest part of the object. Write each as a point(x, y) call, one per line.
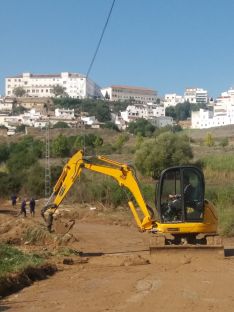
point(10, 184)
point(166, 150)
point(60, 147)
point(34, 184)
point(141, 127)
point(60, 125)
point(4, 152)
point(111, 125)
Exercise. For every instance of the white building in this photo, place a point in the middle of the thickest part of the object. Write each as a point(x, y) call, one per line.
point(90, 120)
point(75, 85)
point(146, 111)
point(6, 104)
point(64, 113)
point(172, 99)
point(29, 118)
point(118, 121)
point(125, 93)
point(162, 121)
point(225, 102)
point(196, 95)
point(207, 119)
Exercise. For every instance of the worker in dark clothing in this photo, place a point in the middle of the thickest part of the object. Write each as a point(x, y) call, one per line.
point(32, 205)
point(23, 208)
point(13, 200)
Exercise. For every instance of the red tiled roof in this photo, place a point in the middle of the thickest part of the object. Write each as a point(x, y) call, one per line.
point(132, 88)
point(45, 75)
point(48, 75)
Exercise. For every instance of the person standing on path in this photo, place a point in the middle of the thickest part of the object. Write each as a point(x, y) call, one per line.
point(23, 208)
point(32, 205)
point(13, 200)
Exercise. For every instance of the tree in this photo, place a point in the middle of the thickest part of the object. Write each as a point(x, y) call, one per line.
point(35, 182)
point(111, 125)
point(17, 110)
point(60, 146)
point(60, 125)
point(59, 91)
point(89, 141)
point(107, 97)
point(171, 112)
point(121, 140)
point(182, 111)
point(103, 112)
point(166, 150)
point(21, 160)
point(9, 184)
point(4, 152)
point(20, 128)
point(142, 127)
point(19, 91)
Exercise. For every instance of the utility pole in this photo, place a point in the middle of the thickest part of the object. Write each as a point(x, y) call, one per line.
point(47, 161)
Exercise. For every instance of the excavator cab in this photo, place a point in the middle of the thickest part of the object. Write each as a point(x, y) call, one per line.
point(180, 195)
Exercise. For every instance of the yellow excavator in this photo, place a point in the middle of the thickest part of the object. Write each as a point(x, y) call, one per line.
point(183, 217)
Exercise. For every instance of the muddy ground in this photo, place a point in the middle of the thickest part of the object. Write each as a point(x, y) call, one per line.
point(118, 273)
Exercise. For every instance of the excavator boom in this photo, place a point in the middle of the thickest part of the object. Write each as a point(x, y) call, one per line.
point(122, 173)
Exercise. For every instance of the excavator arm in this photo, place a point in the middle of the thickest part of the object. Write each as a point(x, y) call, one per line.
point(122, 173)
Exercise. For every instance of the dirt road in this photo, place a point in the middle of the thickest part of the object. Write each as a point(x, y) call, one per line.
point(123, 280)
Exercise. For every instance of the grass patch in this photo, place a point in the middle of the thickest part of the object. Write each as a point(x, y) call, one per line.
point(223, 162)
point(223, 199)
point(13, 260)
point(35, 235)
point(66, 252)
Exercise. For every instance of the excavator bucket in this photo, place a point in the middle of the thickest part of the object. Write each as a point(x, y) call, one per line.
point(63, 226)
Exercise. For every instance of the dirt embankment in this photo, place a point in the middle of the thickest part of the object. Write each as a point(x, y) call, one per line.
point(17, 281)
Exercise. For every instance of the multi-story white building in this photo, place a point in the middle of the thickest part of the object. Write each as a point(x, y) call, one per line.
point(125, 93)
point(172, 99)
point(75, 85)
point(196, 95)
point(206, 119)
point(225, 102)
point(147, 111)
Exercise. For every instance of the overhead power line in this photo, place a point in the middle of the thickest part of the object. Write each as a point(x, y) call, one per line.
point(100, 40)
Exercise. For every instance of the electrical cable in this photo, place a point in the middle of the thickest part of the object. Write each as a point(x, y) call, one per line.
point(100, 40)
point(92, 62)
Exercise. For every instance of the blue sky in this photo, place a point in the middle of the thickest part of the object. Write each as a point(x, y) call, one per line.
point(167, 45)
